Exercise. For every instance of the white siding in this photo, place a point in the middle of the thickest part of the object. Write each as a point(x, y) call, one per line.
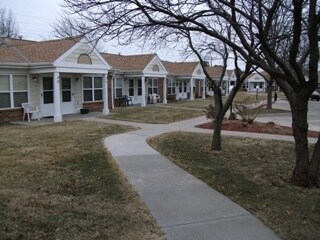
point(77, 94)
point(155, 61)
point(84, 48)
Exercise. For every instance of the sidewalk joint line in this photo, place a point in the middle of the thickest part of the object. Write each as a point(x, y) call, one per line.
point(205, 221)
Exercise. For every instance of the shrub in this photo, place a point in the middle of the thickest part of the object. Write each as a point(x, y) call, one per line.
point(247, 110)
point(209, 112)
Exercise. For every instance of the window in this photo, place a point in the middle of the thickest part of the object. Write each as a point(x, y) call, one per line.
point(118, 88)
point(185, 87)
point(92, 89)
point(131, 87)
point(13, 90)
point(171, 86)
point(139, 87)
point(47, 90)
point(155, 68)
point(152, 86)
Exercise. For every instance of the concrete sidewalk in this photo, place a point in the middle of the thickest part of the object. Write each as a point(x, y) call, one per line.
point(183, 206)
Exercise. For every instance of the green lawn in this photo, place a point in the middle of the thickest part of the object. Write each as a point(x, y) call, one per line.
point(255, 174)
point(58, 182)
point(153, 114)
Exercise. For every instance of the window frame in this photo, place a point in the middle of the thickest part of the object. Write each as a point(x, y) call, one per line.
point(12, 91)
point(93, 88)
point(153, 87)
point(171, 86)
point(117, 88)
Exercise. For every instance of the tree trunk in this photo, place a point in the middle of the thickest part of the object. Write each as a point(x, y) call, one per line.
point(269, 93)
point(315, 164)
point(304, 173)
point(217, 124)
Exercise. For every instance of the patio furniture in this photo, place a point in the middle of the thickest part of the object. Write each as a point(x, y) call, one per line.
point(125, 101)
point(30, 109)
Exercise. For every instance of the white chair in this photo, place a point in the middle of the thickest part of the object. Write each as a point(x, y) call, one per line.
point(28, 109)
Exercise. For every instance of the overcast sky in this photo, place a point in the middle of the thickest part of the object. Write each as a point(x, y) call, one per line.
point(35, 18)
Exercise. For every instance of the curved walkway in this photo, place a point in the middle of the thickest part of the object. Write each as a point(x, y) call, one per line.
point(183, 206)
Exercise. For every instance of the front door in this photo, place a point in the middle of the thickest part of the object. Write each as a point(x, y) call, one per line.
point(66, 96)
point(47, 101)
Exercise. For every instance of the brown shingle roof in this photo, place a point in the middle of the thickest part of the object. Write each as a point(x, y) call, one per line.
point(23, 51)
point(128, 62)
point(215, 71)
point(180, 68)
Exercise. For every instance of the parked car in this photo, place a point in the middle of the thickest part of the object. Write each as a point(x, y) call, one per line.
point(315, 95)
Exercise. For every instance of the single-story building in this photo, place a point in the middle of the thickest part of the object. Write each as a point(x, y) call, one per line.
point(60, 76)
point(65, 75)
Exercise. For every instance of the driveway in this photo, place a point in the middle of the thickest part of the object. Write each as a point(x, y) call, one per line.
point(285, 118)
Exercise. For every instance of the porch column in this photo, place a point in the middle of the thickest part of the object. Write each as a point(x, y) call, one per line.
point(57, 97)
point(143, 86)
point(165, 91)
point(105, 110)
point(204, 89)
point(191, 89)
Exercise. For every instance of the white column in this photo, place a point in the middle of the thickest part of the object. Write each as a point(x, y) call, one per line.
point(165, 91)
point(105, 110)
point(191, 89)
point(143, 86)
point(57, 98)
point(203, 88)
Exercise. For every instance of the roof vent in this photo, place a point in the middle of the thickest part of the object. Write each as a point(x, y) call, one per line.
point(20, 37)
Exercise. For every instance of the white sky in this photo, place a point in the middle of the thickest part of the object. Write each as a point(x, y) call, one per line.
point(35, 17)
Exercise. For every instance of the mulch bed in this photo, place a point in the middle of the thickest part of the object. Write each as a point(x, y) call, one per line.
point(269, 128)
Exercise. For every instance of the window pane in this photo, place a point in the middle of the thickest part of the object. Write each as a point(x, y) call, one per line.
point(118, 93)
point(87, 95)
point(48, 97)
point(20, 82)
point(4, 83)
point(155, 82)
point(97, 95)
point(47, 83)
point(131, 92)
point(139, 91)
point(20, 97)
point(5, 100)
point(139, 83)
point(149, 90)
point(66, 96)
point(87, 82)
point(131, 83)
point(118, 83)
point(155, 90)
point(97, 82)
point(66, 83)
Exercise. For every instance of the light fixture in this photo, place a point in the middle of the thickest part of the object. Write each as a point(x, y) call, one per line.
point(35, 79)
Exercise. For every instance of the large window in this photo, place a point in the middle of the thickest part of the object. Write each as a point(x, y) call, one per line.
point(152, 86)
point(92, 89)
point(13, 90)
point(118, 88)
point(171, 86)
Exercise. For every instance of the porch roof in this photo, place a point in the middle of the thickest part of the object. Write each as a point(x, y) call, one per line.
point(128, 62)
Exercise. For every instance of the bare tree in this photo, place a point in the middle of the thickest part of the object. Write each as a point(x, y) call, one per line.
point(252, 23)
point(8, 26)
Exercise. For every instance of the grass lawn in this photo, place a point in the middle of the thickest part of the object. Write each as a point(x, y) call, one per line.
point(153, 114)
point(204, 103)
point(58, 182)
point(253, 173)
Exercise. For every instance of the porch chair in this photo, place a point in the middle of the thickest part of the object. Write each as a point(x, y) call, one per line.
point(127, 99)
point(28, 109)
